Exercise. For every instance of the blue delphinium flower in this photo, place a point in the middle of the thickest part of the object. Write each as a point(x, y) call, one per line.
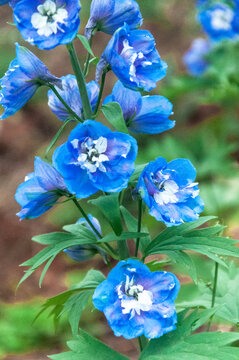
point(69, 91)
point(142, 114)
point(47, 23)
point(134, 59)
point(23, 78)
point(95, 158)
point(86, 252)
point(170, 192)
point(137, 301)
point(40, 190)
point(194, 58)
point(109, 15)
point(218, 22)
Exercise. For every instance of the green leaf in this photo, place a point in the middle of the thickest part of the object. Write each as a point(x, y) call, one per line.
point(227, 294)
point(86, 44)
point(180, 344)
point(109, 206)
point(124, 236)
point(114, 115)
point(132, 225)
point(94, 61)
point(57, 243)
point(185, 260)
point(75, 300)
point(205, 241)
point(87, 347)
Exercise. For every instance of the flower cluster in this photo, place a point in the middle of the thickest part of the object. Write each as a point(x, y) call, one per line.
point(94, 158)
point(220, 22)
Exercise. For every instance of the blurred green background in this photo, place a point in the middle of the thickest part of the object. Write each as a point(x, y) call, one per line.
point(206, 132)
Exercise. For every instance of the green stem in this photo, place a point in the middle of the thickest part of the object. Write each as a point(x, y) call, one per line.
point(56, 137)
point(80, 81)
point(142, 342)
point(140, 207)
point(101, 90)
point(87, 62)
point(214, 291)
point(70, 111)
point(91, 225)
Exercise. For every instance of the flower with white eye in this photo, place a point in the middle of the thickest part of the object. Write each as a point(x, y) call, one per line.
point(170, 191)
point(47, 23)
point(95, 158)
point(219, 22)
point(137, 301)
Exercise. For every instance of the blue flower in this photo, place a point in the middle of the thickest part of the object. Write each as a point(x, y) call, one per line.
point(48, 23)
point(218, 22)
point(95, 158)
point(109, 15)
point(22, 80)
point(70, 93)
point(170, 192)
point(40, 190)
point(142, 114)
point(137, 301)
point(85, 252)
point(194, 58)
point(134, 59)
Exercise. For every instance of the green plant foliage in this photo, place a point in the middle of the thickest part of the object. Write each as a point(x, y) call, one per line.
point(87, 347)
point(227, 294)
point(109, 206)
point(181, 344)
point(186, 237)
point(114, 115)
point(74, 301)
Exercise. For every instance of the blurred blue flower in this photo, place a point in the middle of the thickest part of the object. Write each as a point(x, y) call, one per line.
point(86, 252)
point(95, 158)
point(170, 192)
point(109, 15)
point(137, 301)
point(142, 114)
point(21, 81)
point(48, 23)
point(218, 21)
point(69, 91)
point(194, 58)
point(40, 190)
point(134, 59)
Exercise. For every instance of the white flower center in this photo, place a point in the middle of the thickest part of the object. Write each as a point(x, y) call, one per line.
point(167, 191)
point(92, 154)
point(129, 53)
point(222, 19)
point(48, 18)
point(134, 298)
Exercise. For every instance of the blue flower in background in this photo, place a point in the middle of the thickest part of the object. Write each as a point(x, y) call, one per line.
point(23, 78)
point(95, 158)
point(134, 59)
point(194, 58)
point(218, 22)
point(86, 252)
point(137, 301)
point(48, 23)
point(69, 91)
point(170, 192)
point(40, 190)
point(142, 114)
point(109, 15)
